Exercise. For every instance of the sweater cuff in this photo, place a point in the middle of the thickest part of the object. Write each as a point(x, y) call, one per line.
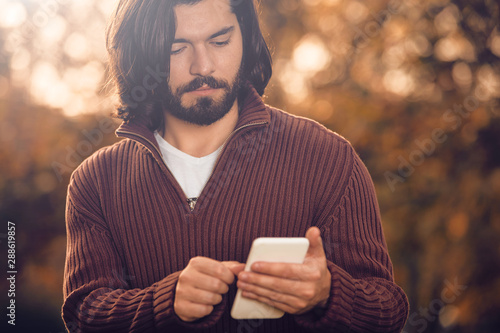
point(163, 307)
point(338, 311)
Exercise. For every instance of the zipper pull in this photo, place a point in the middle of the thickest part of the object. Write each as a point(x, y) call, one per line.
point(192, 203)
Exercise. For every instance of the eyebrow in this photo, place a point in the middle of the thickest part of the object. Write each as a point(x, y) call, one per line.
point(221, 32)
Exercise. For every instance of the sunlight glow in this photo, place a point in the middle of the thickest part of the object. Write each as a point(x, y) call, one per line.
point(462, 74)
point(294, 84)
point(495, 45)
point(418, 45)
point(21, 60)
point(454, 47)
point(398, 82)
point(85, 79)
point(489, 83)
point(447, 20)
point(76, 47)
point(311, 55)
point(12, 15)
point(47, 87)
point(54, 31)
point(449, 315)
point(355, 11)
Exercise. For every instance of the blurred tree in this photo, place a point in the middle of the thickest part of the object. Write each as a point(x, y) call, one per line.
point(39, 148)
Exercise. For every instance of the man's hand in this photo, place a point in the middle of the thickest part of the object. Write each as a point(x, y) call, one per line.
point(201, 286)
point(293, 288)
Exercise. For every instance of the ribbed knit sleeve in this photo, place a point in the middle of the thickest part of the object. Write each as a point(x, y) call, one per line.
point(97, 291)
point(363, 294)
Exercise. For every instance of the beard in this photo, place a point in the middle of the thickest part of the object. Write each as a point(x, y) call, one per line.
point(206, 110)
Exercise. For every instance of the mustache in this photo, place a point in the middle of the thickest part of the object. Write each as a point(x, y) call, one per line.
point(199, 82)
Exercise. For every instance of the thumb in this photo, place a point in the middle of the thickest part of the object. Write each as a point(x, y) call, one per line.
point(315, 243)
point(237, 269)
point(234, 266)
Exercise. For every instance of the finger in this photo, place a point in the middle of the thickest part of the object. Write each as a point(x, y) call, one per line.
point(189, 311)
point(212, 268)
point(272, 294)
point(273, 284)
point(282, 270)
point(199, 296)
point(229, 264)
point(236, 268)
point(315, 243)
point(202, 281)
point(275, 304)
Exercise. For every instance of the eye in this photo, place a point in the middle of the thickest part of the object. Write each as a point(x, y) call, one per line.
point(221, 43)
point(177, 50)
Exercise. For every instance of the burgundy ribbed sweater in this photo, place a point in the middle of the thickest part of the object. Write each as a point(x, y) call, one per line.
point(131, 231)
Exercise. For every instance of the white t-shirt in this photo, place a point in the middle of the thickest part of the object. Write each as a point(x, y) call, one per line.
point(191, 172)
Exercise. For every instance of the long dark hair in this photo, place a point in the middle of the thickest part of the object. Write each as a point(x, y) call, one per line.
point(139, 37)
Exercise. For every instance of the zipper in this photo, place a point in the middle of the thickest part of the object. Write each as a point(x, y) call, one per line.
point(162, 162)
point(190, 202)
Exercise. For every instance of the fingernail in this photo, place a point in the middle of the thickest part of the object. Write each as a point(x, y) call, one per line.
point(243, 276)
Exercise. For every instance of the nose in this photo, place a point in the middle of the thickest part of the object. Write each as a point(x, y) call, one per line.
point(202, 64)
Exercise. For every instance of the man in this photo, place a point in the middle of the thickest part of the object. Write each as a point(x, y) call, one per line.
point(160, 223)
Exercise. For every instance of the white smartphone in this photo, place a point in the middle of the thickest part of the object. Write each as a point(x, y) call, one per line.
point(270, 249)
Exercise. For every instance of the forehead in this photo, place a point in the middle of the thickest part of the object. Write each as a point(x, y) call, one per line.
point(203, 18)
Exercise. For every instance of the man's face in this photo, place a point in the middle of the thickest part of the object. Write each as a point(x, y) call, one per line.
point(205, 62)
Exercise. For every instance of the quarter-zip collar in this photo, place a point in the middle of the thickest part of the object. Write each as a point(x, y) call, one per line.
point(252, 113)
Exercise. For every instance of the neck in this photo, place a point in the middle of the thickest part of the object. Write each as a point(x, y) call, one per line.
point(196, 140)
